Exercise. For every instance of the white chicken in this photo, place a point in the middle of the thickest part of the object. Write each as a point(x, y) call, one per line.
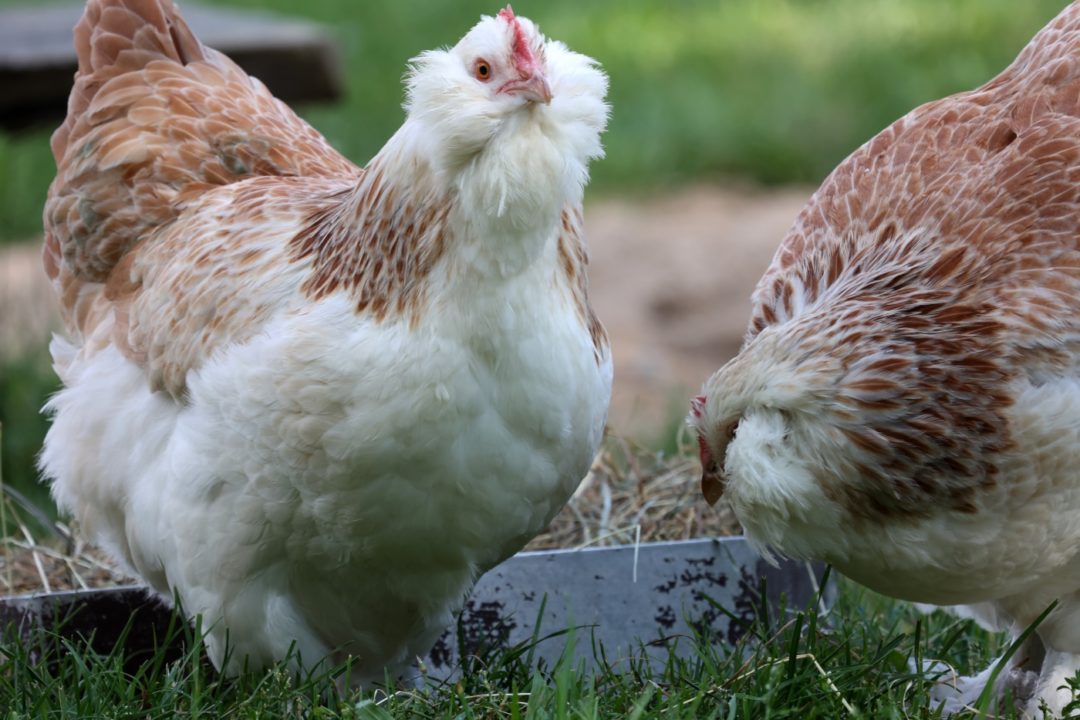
point(317, 401)
point(906, 404)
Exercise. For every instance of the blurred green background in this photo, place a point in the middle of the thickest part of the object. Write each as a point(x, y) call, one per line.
point(770, 91)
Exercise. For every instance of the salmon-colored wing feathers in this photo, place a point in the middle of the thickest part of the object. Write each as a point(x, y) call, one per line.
point(990, 173)
point(154, 119)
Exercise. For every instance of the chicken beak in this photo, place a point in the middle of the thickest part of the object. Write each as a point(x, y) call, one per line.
point(535, 89)
point(712, 483)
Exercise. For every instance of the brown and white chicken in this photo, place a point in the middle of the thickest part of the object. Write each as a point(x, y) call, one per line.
point(906, 404)
point(313, 400)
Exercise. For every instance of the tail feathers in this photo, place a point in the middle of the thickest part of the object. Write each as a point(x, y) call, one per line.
point(119, 37)
point(109, 27)
point(154, 120)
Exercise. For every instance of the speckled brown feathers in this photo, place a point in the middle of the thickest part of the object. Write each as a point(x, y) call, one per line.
point(573, 263)
point(939, 261)
point(917, 385)
point(376, 241)
point(213, 279)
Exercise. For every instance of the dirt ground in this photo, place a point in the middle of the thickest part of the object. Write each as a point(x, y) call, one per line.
point(670, 277)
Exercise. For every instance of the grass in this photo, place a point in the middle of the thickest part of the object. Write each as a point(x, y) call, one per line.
point(773, 90)
point(856, 661)
point(25, 383)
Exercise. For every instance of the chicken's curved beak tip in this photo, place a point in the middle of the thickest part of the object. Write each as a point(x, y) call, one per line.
point(712, 487)
point(538, 90)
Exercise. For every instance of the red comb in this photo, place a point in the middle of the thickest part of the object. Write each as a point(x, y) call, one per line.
point(697, 405)
point(523, 56)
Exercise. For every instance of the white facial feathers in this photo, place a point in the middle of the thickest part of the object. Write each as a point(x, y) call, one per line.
point(463, 107)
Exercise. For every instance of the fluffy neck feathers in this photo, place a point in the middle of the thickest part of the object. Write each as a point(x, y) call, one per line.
point(475, 188)
point(382, 239)
point(510, 167)
point(503, 206)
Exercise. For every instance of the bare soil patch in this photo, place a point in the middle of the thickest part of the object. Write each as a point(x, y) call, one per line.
point(671, 279)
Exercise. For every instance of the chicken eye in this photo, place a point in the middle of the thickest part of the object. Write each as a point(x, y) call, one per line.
point(482, 70)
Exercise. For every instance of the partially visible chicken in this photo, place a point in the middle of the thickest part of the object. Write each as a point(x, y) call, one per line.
point(906, 405)
point(313, 400)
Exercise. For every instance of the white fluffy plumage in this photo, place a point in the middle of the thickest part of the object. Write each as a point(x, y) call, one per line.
point(317, 401)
